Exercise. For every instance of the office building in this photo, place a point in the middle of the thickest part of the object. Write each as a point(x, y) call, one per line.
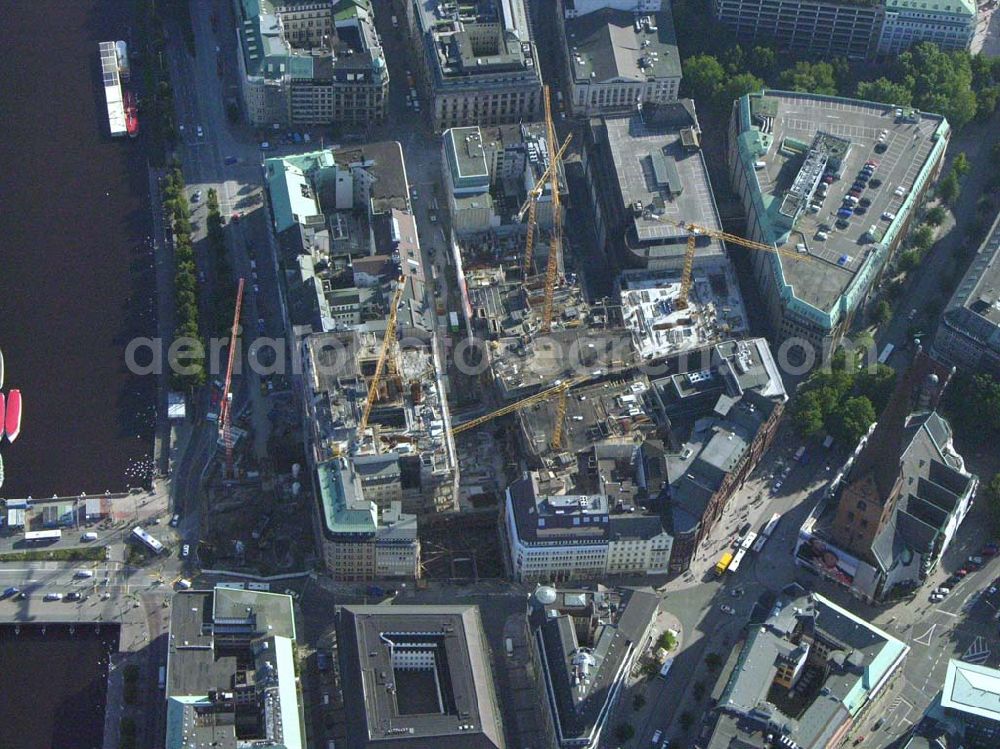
point(798, 163)
point(559, 537)
point(478, 64)
point(809, 672)
point(489, 172)
point(359, 540)
point(232, 671)
point(615, 60)
point(901, 499)
point(648, 179)
point(577, 8)
point(417, 677)
point(310, 62)
point(720, 413)
point(585, 643)
point(970, 699)
point(950, 24)
point(969, 333)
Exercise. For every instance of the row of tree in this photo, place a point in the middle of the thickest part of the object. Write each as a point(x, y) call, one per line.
point(225, 291)
point(843, 400)
point(718, 70)
point(158, 101)
point(186, 365)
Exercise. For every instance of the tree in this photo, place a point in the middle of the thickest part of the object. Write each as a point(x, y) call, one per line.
point(973, 403)
point(807, 414)
point(733, 60)
point(810, 77)
point(885, 91)
point(713, 661)
point(735, 87)
point(851, 420)
point(876, 385)
point(948, 188)
point(638, 701)
point(699, 690)
point(987, 100)
point(763, 61)
point(624, 732)
point(991, 493)
point(883, 312)
point(703, 77)
point(935, 216)
point(922, 238)
point(995, 154)
point(961, 164)
point(686, 720)
point(940, 81)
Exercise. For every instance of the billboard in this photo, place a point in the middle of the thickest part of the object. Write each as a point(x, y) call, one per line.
point(825, 558)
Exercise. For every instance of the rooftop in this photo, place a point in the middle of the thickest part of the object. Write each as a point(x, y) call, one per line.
point(587, 640)
point(715, 309)
point(616, 45)
point(662, 178)
point(974, 309)
point(478, 40)
point(790, 142)
point(973, 689)
point(419, 677)
point(347, 514)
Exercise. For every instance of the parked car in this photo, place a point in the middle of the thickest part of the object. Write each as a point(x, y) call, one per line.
point(657, 734)
point(201, 132)
point(175, 521)
point(988, 551)
point(978, 561)
point(727, 609)
point(53, 596)
point(12, 591)
point(952, 581)
point(875, 182)
point(961, 573)
point(185, 551)
point(74, 596)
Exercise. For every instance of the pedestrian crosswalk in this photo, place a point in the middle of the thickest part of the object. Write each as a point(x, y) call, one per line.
point(977, 652)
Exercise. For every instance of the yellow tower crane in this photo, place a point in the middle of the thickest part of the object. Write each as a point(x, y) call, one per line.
point(555, 242)
point(559, 390)
point(531, 206)
point(387, 341)
point(695, 231)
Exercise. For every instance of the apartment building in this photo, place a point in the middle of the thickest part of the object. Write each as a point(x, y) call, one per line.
point(615, 60)
point(969, 333)
point(359, 540)
point(950, 24)
point(310, 62)
point(478, 64)
point(800, 164)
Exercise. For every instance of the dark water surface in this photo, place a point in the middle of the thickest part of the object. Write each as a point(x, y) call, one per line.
point(75, 273)
point(54, 685)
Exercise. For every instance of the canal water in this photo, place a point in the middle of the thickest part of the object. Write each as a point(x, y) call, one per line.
point(75, 269)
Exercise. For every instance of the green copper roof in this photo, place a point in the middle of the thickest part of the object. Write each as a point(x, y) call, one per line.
point(959, 7)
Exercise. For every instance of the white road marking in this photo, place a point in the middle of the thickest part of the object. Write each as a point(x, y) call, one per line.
point(925, 639)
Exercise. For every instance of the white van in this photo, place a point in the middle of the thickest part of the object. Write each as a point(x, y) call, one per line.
point(183, 584)
point(83, 574)
point(758, 165)
point(822, 236)
point(89, 536)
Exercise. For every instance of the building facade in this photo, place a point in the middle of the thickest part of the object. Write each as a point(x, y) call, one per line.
point(310, 62)
point(968, 335)
point(950, 24)
point(359, 541)
point(857, 29)
point(615, 60)
point(577, 8)
point(478, 63)
point(578, 537)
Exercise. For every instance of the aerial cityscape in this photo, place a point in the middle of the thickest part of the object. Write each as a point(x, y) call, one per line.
point(500, 374)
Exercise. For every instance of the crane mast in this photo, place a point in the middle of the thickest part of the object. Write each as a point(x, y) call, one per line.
point(226, 407)
point(555, 244)
point(531, 206)
point(387, 341)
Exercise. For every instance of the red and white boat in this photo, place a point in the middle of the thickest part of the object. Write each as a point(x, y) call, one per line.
point(131, 114)
point(12, 418)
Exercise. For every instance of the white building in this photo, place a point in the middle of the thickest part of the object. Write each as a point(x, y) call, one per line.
point(572, 537)
point(577, 8)
point(950, 24)
point(615, 59)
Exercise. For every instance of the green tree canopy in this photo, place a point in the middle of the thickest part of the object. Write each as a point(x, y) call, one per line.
point(703, 77)
point(940, 81)
point(883, 312)
point(851, 419)
point(876, 385)
point(812, 77)
point(737, 86)
point(885, 91)
point(935, 216)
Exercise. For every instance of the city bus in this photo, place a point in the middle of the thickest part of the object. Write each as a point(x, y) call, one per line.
point(148, 540)
point(734, 565)
point(31, 536)
point(723, 564)
point(747, 543)
point(766, 531)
